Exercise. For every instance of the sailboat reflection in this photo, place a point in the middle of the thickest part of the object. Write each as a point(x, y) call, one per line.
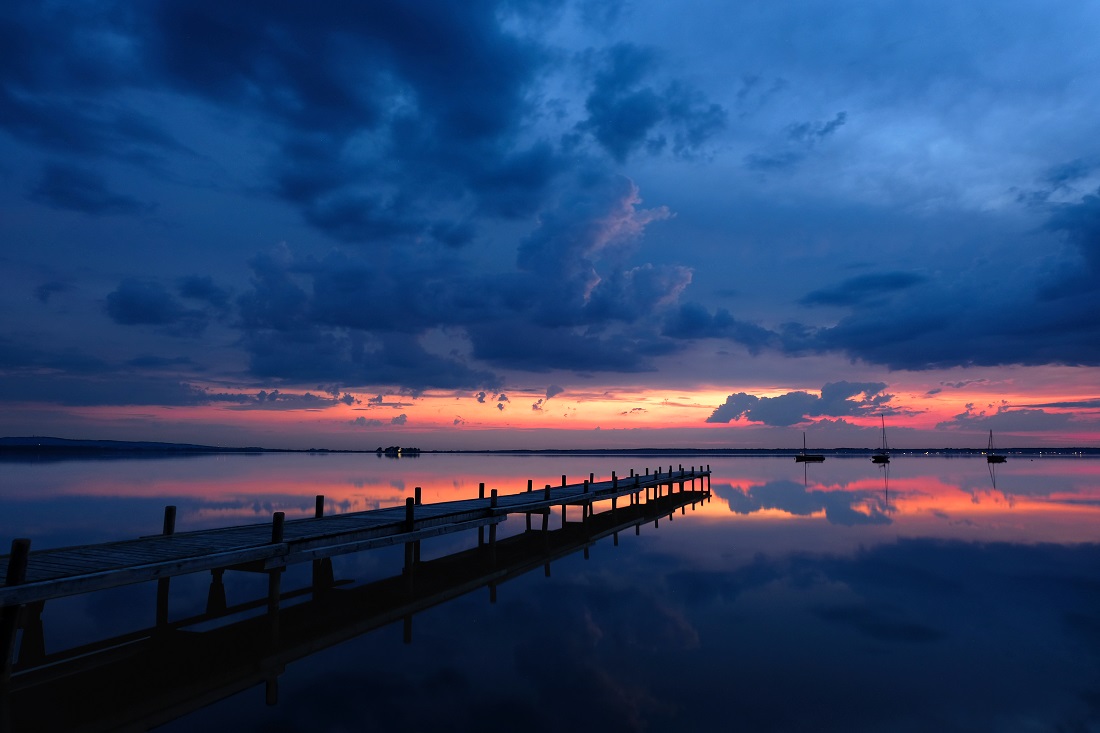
point(993, 473)
point(885, 487)
point(146, 678)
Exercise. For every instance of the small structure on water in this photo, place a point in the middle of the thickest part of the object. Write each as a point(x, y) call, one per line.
point(805, 457)
point(991, 456)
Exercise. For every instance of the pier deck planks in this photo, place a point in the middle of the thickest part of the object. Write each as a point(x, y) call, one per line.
point(67, 571)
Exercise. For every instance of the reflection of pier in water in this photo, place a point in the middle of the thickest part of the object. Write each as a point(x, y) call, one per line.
point(149, 677)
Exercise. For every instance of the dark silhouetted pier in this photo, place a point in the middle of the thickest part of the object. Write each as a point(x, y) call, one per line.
point(170, 669)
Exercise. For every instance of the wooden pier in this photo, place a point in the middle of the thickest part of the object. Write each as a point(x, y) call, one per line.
point(30, 578)
point(150, 676)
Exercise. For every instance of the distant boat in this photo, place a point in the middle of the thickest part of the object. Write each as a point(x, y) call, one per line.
point(805, 457)
point(991, 456)
point(882, 455)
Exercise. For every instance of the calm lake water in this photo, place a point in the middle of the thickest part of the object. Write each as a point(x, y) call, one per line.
point(799, 598)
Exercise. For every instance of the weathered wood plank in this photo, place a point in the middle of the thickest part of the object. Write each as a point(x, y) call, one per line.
point(66, 571)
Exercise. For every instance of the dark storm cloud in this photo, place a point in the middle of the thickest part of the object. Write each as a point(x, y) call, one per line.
point(278, 401)
point(47, 290)
point(112, 387)
point(443, 124)
point(1080, 223)
point(364, 422)
point(908, 321)
point(1006, 419)
point(839, 506)
point(863, 288)
point(625, 113)
point(799, 140)
point(694, 321)
point(203, 288)
point(1071, 405)
point(139, 302)
point(573, 303)
point(77, 189)
point(795, 407)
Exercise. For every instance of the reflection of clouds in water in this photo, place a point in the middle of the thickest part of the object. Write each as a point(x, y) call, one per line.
point(840, 507)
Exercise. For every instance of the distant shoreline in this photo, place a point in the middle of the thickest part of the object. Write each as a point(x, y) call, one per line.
point(64, 447)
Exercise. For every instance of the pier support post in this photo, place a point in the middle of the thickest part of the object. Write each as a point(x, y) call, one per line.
point(32, 649)
point(275, 576)
point(163, 583)
point(9, 615)
point(215, 597)
point(563, 480)
point(481, 490)
point(323, 577)
point(410, 549)
point(529, 483)
point(271, 691)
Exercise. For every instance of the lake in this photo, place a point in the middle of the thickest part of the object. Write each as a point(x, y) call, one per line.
point(834, 596)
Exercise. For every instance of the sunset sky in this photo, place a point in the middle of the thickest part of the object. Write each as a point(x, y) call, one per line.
point(526, 224)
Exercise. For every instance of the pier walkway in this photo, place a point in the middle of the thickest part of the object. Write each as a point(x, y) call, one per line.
point(34, 577)
point(150, 676)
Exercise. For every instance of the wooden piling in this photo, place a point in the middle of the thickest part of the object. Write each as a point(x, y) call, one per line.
point(481, 490)
point(169, 520)
point(416, 495)
point(319, 506)
point(529, 482)
point(493, 502)
point(563, 480)
point(9, 615)
point(163, 584)
point(275, 576)
point(215, 597)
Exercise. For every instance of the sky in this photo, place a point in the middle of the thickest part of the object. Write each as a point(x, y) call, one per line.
point(560, 224)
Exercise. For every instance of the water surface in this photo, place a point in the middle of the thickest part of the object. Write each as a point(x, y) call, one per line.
point(826, 597)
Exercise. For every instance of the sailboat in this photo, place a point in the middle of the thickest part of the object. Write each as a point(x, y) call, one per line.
point(882, 455)
point(805, 457)
point(990, 455)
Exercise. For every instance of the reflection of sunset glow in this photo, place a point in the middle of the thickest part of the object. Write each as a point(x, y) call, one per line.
point(1033, 499)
